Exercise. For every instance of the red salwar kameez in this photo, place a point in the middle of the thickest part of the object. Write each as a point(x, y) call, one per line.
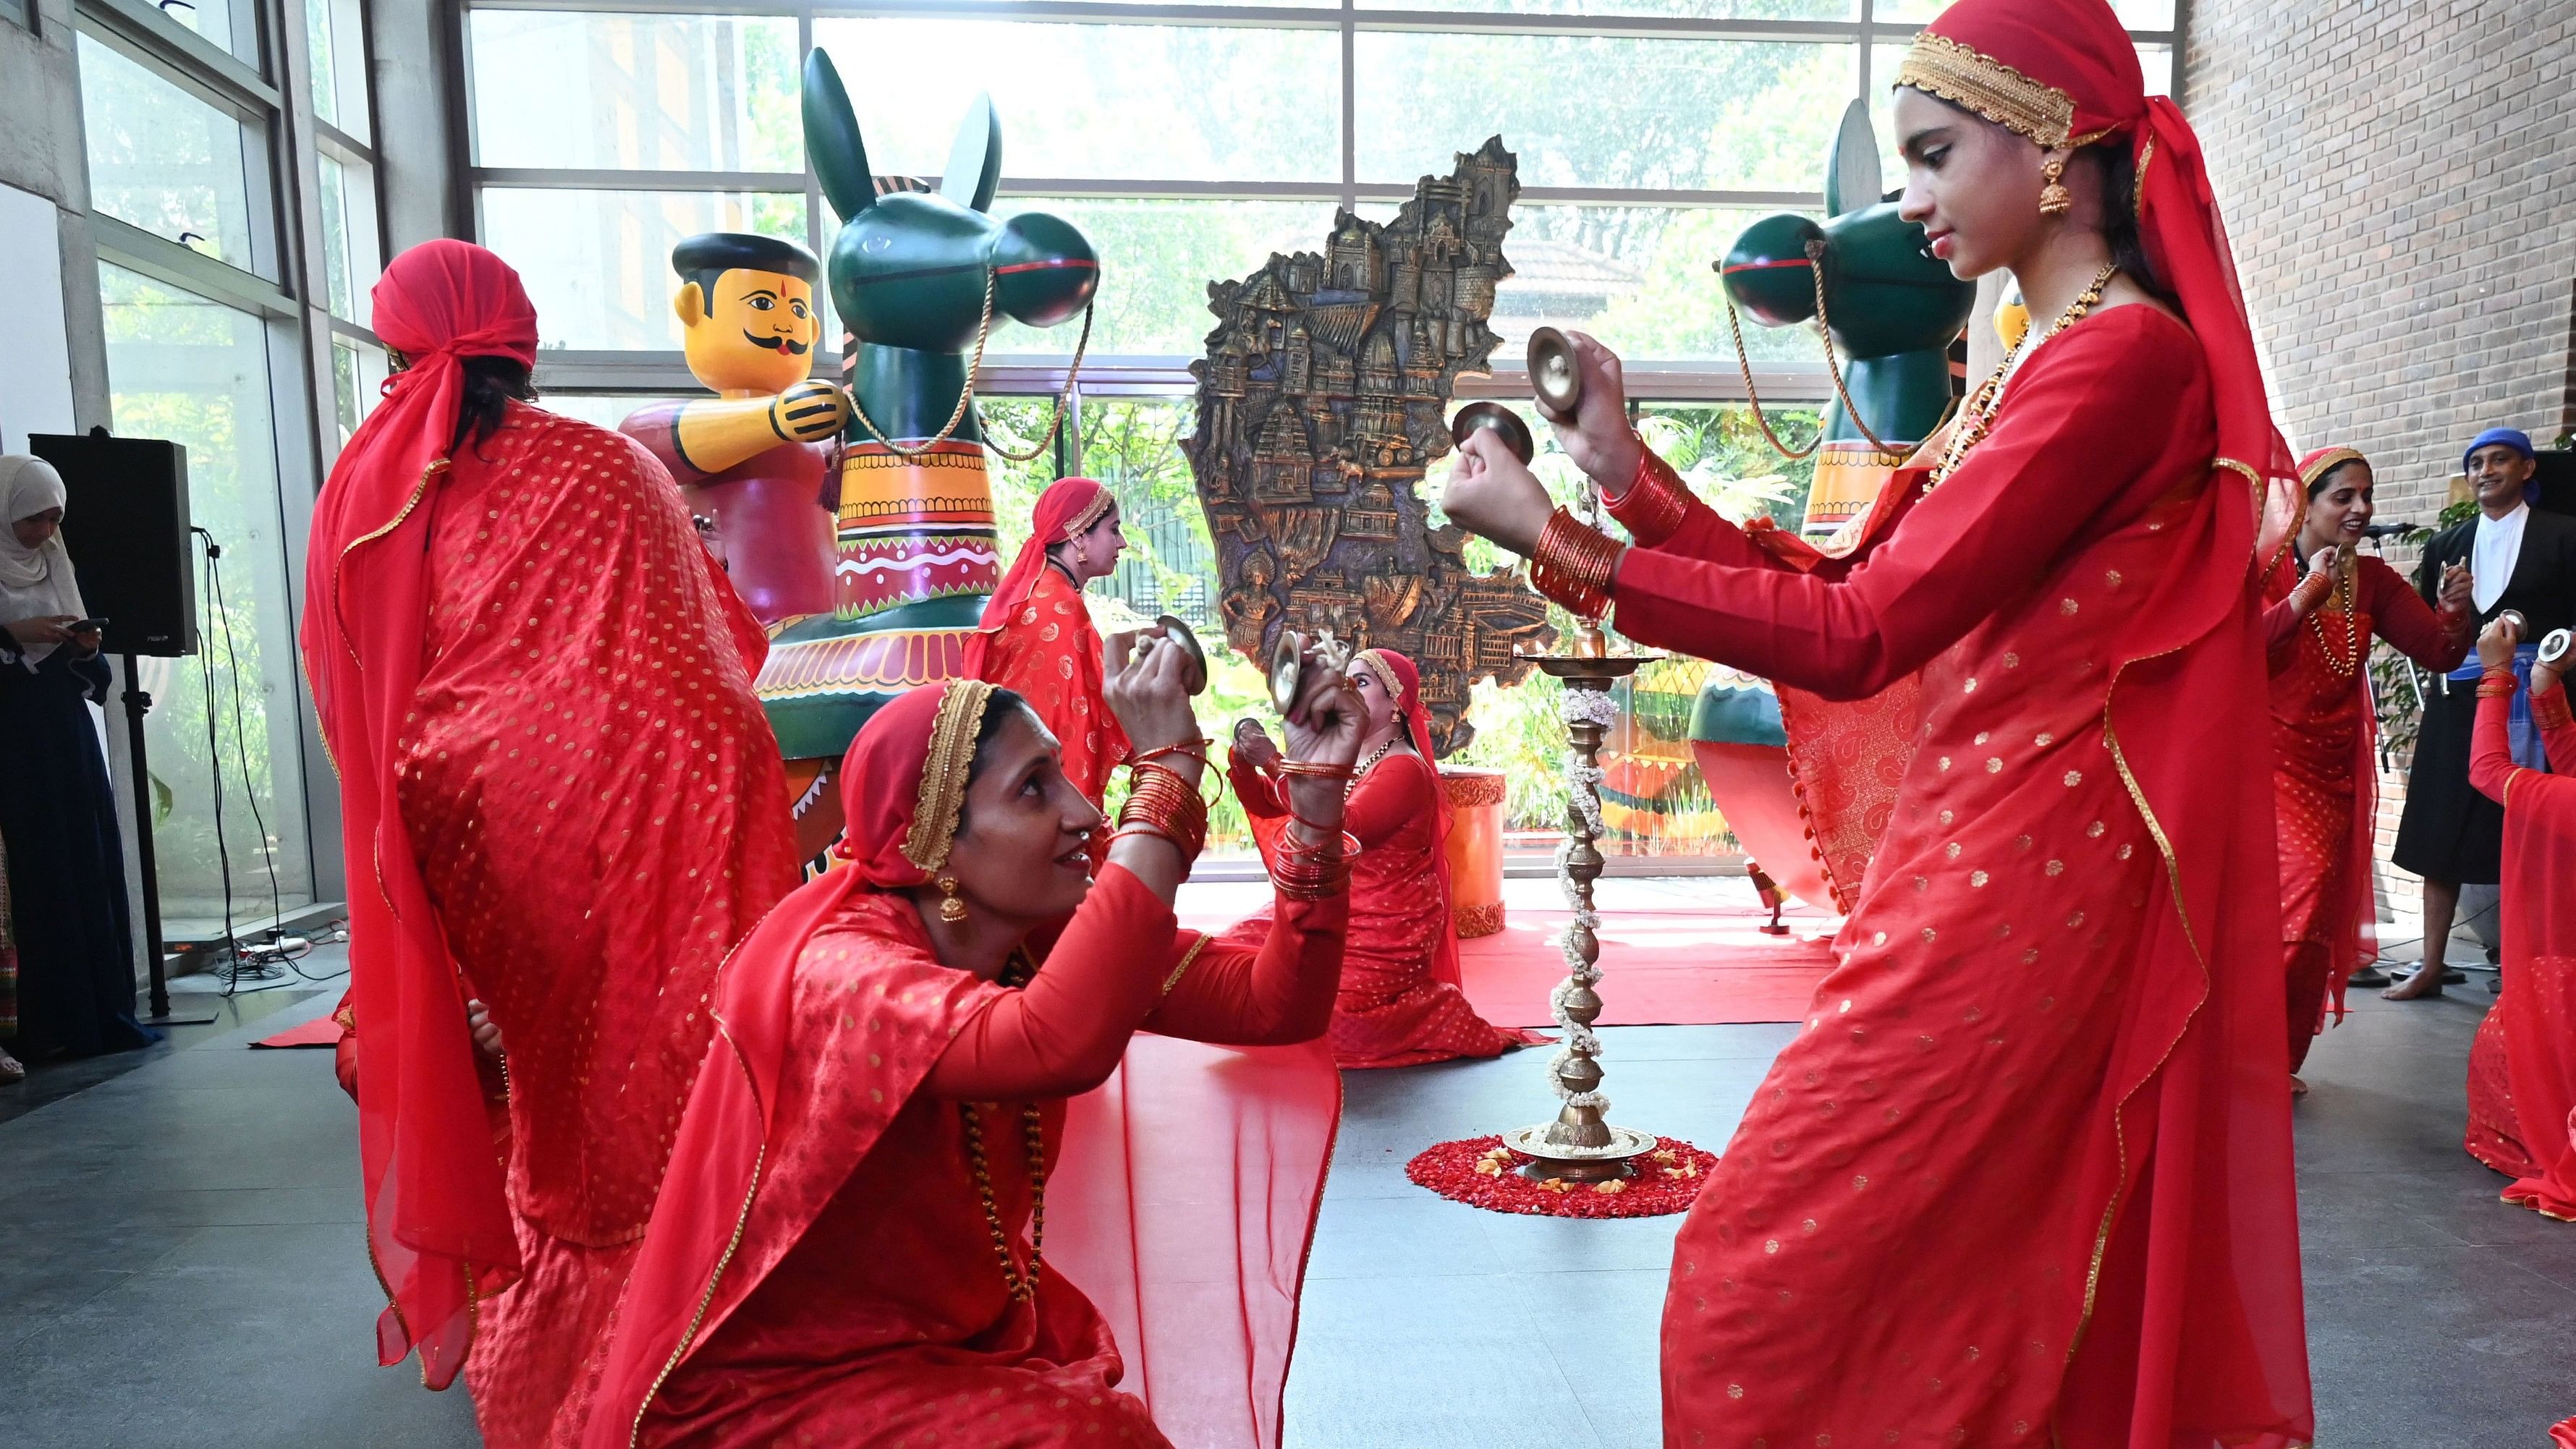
point(2323, 771)
point(1037, 639)
point(2522, 1067)
point(563, 798)
point(821, 1269)
point(2024, 1177)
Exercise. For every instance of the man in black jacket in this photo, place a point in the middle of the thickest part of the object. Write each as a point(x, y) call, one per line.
point(2521, 559)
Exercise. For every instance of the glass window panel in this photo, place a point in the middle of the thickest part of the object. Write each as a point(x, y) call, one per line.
point(604, 409)
point(2135, 14)
point(1156, 260)
point(165, 161)
point(598, 263)
point(636, 92)
point(1695, 9)
point(1637, 277)
point(14, 10)
point(335, 48)
point(196, 372)
point(349, 250)
point(232, 24)
point(1107, 102)
point(1593, 111)
point(1133, 446)
point(358, 372)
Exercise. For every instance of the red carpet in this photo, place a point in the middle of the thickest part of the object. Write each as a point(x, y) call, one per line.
point(1658, 968)
point(1683, 966)
point(321, 1031)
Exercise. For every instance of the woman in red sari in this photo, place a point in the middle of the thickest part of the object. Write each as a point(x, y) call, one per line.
point(559, 797)
point(887, 1226)
point(2522, 1068)
point(1399, 1004)
point(2025, 1177)
point(1037, 639)
point(2318, 632)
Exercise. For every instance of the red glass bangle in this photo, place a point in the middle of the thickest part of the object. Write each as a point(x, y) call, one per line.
point(1654, 507)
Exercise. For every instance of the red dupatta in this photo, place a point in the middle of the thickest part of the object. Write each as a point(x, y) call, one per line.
point(2207, 1282)
point(438, 1227)
point(1403, 683)
point(1205, 1320)
point(2539, 941)
point(1067, 509)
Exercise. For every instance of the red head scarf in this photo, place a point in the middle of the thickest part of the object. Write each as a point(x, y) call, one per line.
point(1068, 508)
point(1403, 682)
point(903, 783)
point(2315, 466)
point(436, 1219)
point(2064, 73)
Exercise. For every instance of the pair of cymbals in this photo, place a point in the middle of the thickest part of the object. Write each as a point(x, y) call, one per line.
point(1180, 636)
point(1556, 382)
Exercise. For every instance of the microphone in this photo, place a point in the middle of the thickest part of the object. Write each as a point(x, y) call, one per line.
point(2386, 530)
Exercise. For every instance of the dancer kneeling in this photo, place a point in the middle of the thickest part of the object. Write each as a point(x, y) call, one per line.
point(851, 1243)
point(1400, 1003)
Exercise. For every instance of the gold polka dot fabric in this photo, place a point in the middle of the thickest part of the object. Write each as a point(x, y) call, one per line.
point(599, 812)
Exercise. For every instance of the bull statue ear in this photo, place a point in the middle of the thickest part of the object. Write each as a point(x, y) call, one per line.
point(832, 140)
point(975, 163)
point(1851, 165)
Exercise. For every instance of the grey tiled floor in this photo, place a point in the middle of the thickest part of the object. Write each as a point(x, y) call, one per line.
point(181, 1263)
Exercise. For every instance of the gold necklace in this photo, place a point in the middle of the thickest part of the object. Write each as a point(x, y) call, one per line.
point(1365, 766)
point(1978, 417)
point(1022, 1286)
point(2347, 659)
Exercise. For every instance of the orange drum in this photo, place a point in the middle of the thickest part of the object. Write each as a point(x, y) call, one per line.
point(1475, 848)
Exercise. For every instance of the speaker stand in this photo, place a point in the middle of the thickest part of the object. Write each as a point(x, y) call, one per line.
point(136, 702)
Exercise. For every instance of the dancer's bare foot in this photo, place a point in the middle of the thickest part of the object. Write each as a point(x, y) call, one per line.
point(2297, 1087)
point(11, 1069)
point(2427, 981)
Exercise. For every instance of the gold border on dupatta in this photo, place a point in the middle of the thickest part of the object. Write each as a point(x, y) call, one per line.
point(741, 1225)
point(943, 773)
point(1963, 76)
point(2326, 462)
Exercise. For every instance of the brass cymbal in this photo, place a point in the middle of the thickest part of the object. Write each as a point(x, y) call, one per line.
point(1502, 420)
point(1287, 665)
point(1178, 632)
point(1555, 378)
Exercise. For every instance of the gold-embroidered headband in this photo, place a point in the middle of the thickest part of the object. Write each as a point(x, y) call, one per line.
point(1385, 673)
point(1090, 516)
point(943, 772)
point(1945, 68)
point(2326, 462)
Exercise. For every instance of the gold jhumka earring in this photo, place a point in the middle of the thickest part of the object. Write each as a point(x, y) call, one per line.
point(2054, 199)
point(951, 909)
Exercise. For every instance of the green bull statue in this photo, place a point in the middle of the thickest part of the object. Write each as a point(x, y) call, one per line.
point(1889, 313)
point(919, 279)
point(1886, 307)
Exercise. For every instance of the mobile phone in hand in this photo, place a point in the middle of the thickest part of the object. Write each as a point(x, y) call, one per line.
point(83, 626)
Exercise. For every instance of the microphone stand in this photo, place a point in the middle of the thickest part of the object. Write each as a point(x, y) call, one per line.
point(136, 702)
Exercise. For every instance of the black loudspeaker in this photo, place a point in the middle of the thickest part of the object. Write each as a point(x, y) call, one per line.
point(126, 526)
point(2555, 472)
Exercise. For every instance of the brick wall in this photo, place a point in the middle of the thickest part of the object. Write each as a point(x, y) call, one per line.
point(2399, 180)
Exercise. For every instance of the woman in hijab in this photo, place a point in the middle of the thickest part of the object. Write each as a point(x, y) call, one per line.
point(2024, 1176)
point(918, 1198)
point(564, 802)
point(1399, 1004)
point(65, 890)
point(1036, 638)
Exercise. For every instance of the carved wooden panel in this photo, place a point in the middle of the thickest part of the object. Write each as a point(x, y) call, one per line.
point(1324, 394)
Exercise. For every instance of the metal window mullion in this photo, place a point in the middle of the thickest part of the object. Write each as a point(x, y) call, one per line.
point(1350, 42)
point(166, 261)
point(340, 144)
point(181, 57)
point(1130, 189)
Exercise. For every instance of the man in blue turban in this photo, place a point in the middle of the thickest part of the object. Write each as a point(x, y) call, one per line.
point(2520, 559)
